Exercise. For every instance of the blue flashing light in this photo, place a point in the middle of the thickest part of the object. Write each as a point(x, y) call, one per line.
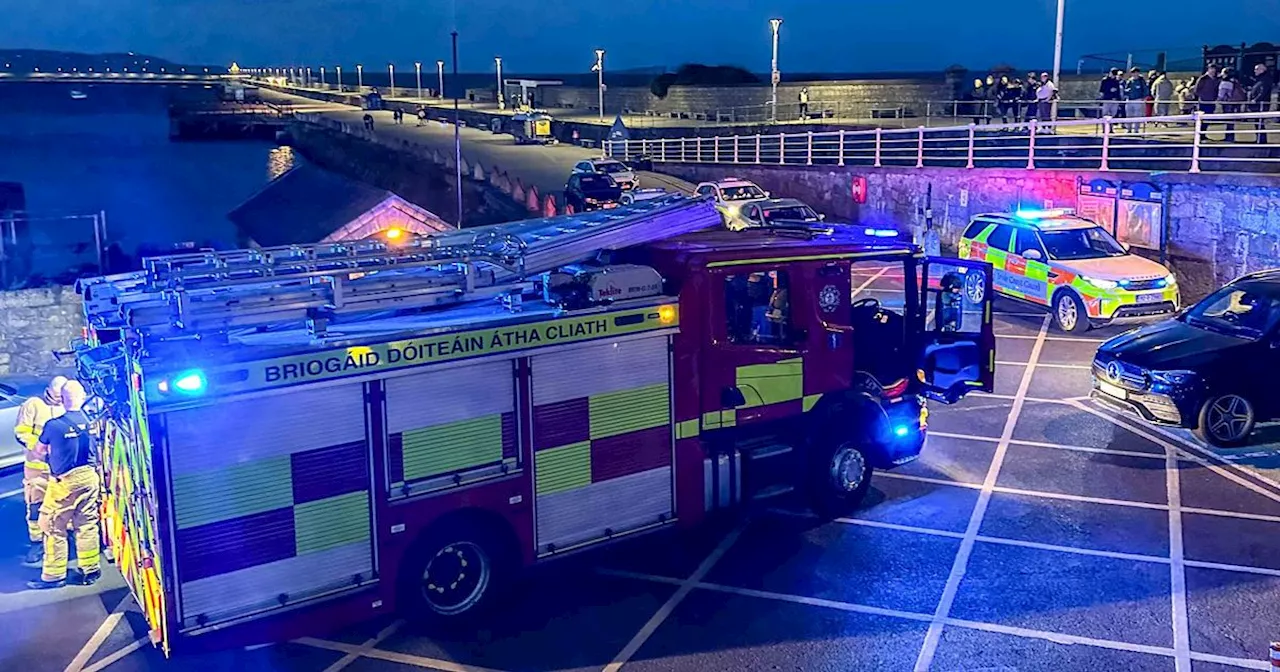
point(901, 431)
point(881, 233)
point(190, 382)
point(1033, 214)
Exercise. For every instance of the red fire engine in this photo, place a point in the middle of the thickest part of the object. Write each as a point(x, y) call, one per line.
point(302, 437)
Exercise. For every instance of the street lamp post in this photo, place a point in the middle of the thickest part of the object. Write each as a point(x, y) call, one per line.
point(774, 76)
point(359, 78)
point(502, 103)
point(599, 68)
point(339, 68)
point(1057, 53)
point(308, 80)
point(440, 73)
point(323, 85)
point(391, 73)
point(417, 71)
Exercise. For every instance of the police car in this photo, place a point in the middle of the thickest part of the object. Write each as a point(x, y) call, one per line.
point(732, 195)
point(1070, 265)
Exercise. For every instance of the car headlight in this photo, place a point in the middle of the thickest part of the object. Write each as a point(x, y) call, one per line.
point(1176, 377)
point(1170, 281)
point(1101, 284)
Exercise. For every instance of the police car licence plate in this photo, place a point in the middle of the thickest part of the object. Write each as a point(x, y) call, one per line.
point(1154, 297)
point(1111, 390)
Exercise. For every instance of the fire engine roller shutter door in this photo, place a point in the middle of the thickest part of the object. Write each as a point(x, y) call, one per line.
point(455, 421)
point(602, 440)
point(271, 498)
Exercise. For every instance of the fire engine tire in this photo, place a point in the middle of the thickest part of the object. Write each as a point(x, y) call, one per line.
point(1069, 312)
point(840, 477)
point(455, 573)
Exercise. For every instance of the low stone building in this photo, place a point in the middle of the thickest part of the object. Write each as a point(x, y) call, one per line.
point(312, 205)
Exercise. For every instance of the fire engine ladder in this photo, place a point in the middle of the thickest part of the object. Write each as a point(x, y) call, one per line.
point(198, 294)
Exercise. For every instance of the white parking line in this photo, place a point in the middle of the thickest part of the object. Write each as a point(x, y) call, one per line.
point(11, 493)
point(672, 602)
point(961, 564)
point(1058, 446)
point(873, 278)
point(369, 644)
point(99, 636)
point(110, 659)
point(1055, 339)
point(392, 656)
point(1177, 573)
point(1042, 365)
point(1027, 633)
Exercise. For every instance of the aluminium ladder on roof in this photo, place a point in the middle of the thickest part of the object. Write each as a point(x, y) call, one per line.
point(198, 293)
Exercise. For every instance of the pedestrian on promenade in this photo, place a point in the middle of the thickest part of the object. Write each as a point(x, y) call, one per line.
point(1162, 94)
point(1045, 95)
point(1109, 93)
point(1231, 96)
point(1135, 92)
point(1260, 97)
point(975, 100)
point(421, 114)
point(1151, 101)
point(1029, 86)
point(1010, 92)
point(368, 122)
point(1206, 90)
point(804, 103)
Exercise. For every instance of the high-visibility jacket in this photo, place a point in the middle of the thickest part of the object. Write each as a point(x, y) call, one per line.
point(32, 416)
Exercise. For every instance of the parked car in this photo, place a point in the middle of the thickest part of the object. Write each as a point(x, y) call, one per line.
point(624, 176)
point(591, 191)
point(1069, 264)
point(1207, 369)
point(774, 212)
point(634, 195)
point(731, 194)
point(13, 391)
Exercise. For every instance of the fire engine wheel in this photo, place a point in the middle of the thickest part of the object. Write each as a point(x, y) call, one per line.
point(453, 574)
point(842, 476)
point(1069, 313)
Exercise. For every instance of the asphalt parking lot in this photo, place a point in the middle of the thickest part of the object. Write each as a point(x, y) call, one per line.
point(1037, 531)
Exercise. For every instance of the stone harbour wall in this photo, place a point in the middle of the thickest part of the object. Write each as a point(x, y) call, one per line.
point(1220, 226)
point(33, 324)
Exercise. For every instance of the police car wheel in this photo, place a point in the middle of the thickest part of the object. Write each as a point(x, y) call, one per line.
point(841, 478)
point(1069, 313)
point(1226, 421)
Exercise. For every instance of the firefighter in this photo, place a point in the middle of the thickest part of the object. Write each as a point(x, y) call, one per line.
point(72, 495)
point(32, 416)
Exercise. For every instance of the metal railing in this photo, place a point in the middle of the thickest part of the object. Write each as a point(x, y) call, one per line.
point(43, 250)
point(1240, 142)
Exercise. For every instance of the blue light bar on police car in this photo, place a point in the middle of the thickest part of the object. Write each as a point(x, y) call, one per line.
point(881, 233)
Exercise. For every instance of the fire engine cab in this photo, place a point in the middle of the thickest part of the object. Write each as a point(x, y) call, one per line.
point(298, 438)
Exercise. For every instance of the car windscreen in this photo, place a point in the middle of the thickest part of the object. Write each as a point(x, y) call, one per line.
point(791, 213)
point(1088, 243)
point(743, 192)
point(597, 182)
point(611, 167)
point(1248, 311)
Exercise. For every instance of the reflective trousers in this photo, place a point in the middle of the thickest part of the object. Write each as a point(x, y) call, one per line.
point(35, 480)
point(71, 500)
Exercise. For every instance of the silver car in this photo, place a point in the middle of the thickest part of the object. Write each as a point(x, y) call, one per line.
point(623, 175)
point(13, 391)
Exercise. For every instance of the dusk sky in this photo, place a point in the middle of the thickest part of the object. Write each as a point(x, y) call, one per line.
point(559, 35)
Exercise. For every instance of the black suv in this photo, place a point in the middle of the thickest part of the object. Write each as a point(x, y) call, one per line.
point(1210, 368)
point(591, 192)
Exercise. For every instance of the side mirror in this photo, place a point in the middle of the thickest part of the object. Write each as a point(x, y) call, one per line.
point(1127, 247)
point(1033, 254)
point(768, 194)
point(822, 218)
point(732, 397)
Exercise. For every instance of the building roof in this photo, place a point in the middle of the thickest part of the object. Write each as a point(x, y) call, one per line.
point(309, 205)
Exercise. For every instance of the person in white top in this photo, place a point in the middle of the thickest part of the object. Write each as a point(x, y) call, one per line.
point(1045, 96)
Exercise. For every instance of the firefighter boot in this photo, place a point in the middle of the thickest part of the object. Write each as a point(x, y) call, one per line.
point(79, 577)
point(41, 584)
point(35, 555)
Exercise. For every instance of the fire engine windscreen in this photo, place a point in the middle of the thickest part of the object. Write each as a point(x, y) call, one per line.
point(878, 317)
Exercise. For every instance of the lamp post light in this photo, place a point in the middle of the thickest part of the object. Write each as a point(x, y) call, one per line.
point(322, 82)
point(339, 68)
point(417, 71)
point(391, 73)
point(1057, 54)
point(774, 75)
point(440, 73)
point(502, 103)
point(599, 68)
point(359, 78)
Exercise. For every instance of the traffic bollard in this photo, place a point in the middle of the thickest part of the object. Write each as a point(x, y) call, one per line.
point(1275, 656)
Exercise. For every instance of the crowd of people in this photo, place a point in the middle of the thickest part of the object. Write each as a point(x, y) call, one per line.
point(1009, 98)
point(61, 485)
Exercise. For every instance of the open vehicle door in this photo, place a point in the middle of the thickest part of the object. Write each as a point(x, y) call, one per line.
point(958, 353)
